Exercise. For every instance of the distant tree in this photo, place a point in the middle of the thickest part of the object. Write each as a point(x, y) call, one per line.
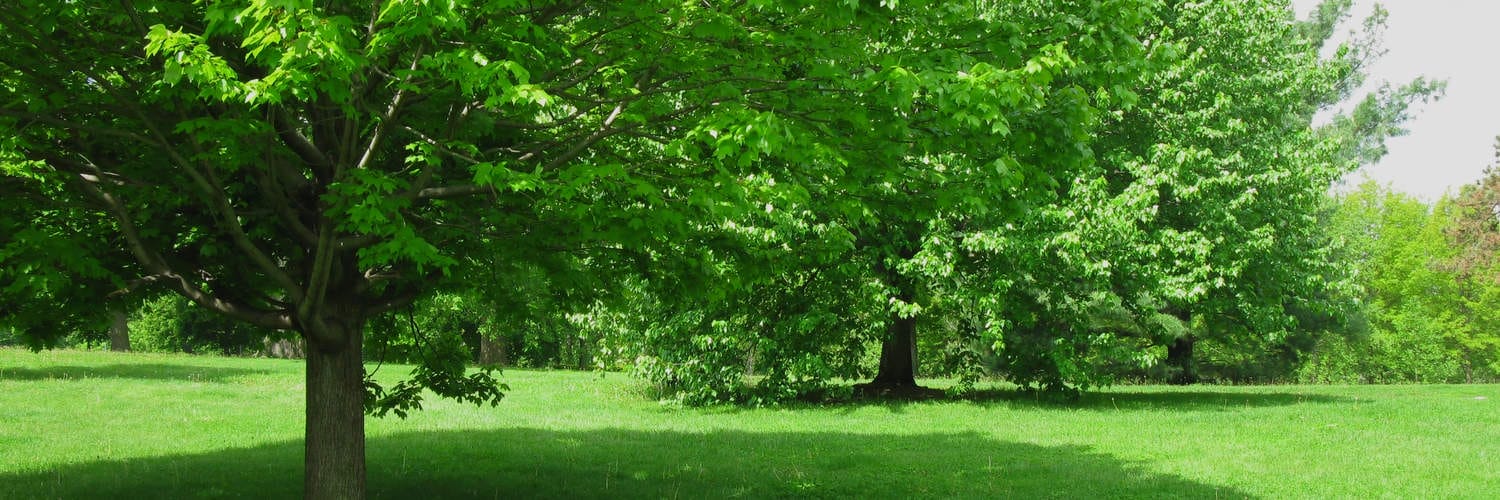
point(1476, 230)
point(1475, 236)
point(170, 323)
point(1223, 173)
point(1428, 320)
point(1411, 295)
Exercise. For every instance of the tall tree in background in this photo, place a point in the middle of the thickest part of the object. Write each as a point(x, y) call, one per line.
point(1476, 231)
point(1228, 173)
point(1475, 236)
point(1198, 219)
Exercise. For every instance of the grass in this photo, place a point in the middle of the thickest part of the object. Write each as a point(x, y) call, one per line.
point(101, 425)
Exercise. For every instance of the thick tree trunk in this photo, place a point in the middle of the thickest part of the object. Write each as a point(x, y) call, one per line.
point(119, 329)
point(1180, 357)
point(897, 374)
point(335, 436)
point(898, 355)
point(492, 351)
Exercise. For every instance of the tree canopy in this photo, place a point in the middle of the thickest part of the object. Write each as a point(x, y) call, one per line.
point(307, 166)
point(1048, 190)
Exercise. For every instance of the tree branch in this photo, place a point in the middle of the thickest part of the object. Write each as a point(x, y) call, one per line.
point(161, 271)
point(456, 191)
point(387, 118)
point(317, 284)
point(282, 204)
point(77, 126)
point(299, 144)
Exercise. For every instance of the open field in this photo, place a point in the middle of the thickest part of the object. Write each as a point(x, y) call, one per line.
point(88, 424)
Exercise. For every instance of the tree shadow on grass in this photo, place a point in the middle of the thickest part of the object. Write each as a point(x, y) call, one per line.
point(143, 371)
point(611, 463)
point(1180, 400)
point(1199, 400)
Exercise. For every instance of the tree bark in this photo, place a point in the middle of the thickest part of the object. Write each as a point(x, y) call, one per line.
point(898, 355)
point(897, 373)
point(334, 446)
point(1180, 357)
point(119, 329)
point(492, 351)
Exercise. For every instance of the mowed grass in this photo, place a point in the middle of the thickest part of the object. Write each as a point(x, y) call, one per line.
point(101, 425)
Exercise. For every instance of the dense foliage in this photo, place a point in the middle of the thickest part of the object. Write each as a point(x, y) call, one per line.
point(1430, 315)
point(789, 193)
point(1184, 210)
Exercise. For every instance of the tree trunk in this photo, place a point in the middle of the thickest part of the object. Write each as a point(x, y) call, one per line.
point(585, 354)
point(119, 329)
point(1180, 357)
point(898, 355)
point(492, 351)
point(335, 435)
point(284, 348)
point(897, 374)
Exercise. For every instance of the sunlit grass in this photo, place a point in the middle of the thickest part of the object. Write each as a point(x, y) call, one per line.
point(100, 425)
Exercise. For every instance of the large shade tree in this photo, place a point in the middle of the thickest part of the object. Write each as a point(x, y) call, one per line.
point(970, 112)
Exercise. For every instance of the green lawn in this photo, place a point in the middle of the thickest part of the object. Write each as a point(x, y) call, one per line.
point(100, 425)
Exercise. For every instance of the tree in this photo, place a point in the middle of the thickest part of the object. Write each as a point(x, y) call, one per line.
point(1227, 174)
point(970, 114)
point(1477, 229)
point(972, 183)
point(305, 167)
point(1197, 217)
point(1474, 234)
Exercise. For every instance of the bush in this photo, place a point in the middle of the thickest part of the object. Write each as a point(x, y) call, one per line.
point(1337, 360)
point(1409, 348)
point(171, 323)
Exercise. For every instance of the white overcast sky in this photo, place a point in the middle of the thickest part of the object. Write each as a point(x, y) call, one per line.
point(1451, 141)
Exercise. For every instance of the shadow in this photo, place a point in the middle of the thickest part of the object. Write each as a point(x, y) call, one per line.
point(1204, 399)
point(611, 463)
point(1198, 400)
point(142, 371)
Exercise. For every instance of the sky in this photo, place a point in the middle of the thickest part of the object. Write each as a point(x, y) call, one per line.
point(1452, 140)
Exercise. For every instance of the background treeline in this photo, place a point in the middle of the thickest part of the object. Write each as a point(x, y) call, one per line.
point(1428, 311)
point(1430, 308)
